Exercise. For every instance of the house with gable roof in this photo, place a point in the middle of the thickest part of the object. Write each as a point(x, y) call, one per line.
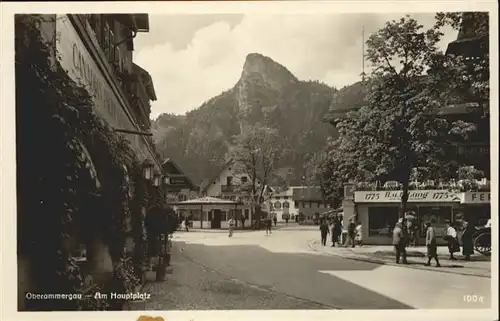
point(229, 183)
point(179, 187)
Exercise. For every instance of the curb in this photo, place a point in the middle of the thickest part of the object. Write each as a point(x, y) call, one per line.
point(382, 262)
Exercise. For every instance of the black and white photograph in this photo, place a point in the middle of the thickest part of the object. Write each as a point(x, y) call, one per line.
point(234, 160)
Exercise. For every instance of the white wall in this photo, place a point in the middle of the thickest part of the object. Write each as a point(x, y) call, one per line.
point(214, 189)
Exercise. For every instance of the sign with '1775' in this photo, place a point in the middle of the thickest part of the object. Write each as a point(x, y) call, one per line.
point(424, 196)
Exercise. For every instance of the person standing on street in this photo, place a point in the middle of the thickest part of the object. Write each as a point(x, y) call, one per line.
point(451, 238)
point(351, 234)
point(431, 244)
point(275, 220)
point(231, 224)
point(399, 239)
point(324, 229)
point(269, 225)
point(336, 231)
point(359, 234)
point(242, 222)
point(186, 224)
point(467, 240)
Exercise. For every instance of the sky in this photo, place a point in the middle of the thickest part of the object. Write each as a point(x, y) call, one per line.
point(194, 57)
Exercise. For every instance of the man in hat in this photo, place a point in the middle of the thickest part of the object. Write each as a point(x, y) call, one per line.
point(399, 240)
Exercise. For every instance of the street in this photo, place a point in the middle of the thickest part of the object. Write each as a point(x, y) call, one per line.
point(280, 271)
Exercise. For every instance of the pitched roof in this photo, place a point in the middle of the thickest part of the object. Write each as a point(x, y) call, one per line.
point(205, 184)
point(170, 162)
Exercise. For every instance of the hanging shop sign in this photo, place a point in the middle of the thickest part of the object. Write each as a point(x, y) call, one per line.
point(423, 196)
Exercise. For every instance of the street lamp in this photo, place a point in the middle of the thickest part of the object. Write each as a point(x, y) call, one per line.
point(156, 179)
point(147, 169)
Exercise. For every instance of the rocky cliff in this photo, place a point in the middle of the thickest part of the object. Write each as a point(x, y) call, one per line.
point(266, 92)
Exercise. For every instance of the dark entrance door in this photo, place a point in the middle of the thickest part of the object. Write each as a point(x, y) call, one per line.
point(216, 219)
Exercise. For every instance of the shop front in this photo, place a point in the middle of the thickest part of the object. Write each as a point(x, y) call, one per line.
point(475, 207)
point(378, 211)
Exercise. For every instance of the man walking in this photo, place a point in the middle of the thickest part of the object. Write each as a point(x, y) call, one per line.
point(269, 225)
point(351, 233)
point(431, 244)
point(399, 238)
point(324, 229)
point(336, 231)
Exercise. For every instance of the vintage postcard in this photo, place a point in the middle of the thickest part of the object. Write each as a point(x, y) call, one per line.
point(242, 160)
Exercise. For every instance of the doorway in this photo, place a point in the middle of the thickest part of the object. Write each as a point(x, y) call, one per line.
point(216, 219)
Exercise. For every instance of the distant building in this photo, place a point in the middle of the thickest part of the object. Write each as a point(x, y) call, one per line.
point(179, 186)
point(307, 200)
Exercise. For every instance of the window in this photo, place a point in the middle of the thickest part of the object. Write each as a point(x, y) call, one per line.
point(296, 204)
point(229, 180)
point(277, 205)
point(247, 214)
point(286, 205)
point(285, 197)
point(210, 215)
point(381, 220)
point(244, 179)
point(439, 213)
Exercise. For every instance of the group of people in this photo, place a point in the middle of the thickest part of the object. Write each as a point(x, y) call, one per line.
point(334, 227)
point(401, 239)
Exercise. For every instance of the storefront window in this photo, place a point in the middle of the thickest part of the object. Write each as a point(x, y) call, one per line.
point(381, 220)
point(440, 214)
point(476, 215)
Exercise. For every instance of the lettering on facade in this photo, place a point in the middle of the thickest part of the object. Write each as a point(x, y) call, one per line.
point(81, 67)
point(476, 198)
point(91, 81)
point(177, 181)
point(413, 196)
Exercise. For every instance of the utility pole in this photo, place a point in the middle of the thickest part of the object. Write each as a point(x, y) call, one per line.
point(363, 54)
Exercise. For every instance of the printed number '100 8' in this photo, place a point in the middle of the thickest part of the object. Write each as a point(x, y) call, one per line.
point(372, 196)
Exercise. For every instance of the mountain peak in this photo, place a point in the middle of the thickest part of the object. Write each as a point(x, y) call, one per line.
point(263, 68)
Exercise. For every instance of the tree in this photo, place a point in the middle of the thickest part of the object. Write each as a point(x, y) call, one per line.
point(399, 127)
point(255, 152)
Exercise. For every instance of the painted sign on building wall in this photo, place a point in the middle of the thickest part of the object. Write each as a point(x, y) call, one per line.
point(81, 67)
point(424, 196)
point(476, 198)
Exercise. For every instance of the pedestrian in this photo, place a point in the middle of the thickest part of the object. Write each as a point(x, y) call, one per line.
point(275, 220)
point(269, 225)
point(431, 244)
point(351, 233)
point(398, 240)
point(242, 222)
point(336, 231)
point(286, 220)
point(325, 230)
point(451, 239)
point(231, 224)
point(467, 240)
point(359, 234)
point(186, 224)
